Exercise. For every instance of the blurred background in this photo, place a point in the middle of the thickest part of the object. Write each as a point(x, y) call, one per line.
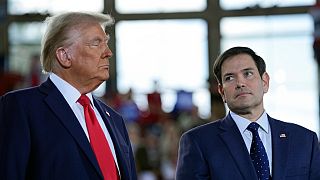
point(161, 71)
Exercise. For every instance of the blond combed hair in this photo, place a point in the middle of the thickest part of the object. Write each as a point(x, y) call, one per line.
point(58, 27)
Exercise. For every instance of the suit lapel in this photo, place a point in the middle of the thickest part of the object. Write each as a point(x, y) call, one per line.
point(280, 142)
point(233, 140)
point(62, 110)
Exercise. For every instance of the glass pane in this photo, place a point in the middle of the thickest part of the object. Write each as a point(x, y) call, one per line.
point(53, 6)
point(288, 52)
point(24, 40)
point(266, 25)
point(28, 33)
point(153, 6)
point(171, 52)
point(236, 4)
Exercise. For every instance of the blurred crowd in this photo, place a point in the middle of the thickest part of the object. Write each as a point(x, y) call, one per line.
point(155, 133)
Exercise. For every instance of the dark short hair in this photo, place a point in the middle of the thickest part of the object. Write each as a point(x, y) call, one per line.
point(261, 65)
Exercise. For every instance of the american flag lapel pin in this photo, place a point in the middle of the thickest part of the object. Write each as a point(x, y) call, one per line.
point(107, 113)
point(283, 135)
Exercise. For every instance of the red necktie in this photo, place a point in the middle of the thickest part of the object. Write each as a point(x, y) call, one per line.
point(98, 141)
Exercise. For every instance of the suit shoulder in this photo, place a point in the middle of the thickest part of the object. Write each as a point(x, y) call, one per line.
point(20, 93)
point(205, 129)
point(292, 127)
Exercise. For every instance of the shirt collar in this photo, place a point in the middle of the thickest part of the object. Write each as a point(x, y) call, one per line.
point(243, 123)
point(70, 93)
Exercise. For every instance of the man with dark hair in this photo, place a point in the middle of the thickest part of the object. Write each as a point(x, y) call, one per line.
point(247, 144)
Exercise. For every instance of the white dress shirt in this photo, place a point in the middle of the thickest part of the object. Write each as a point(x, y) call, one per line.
point(71, 95)
point(264, 133)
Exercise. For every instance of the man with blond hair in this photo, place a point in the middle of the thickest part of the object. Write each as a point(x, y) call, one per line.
point(59, 130)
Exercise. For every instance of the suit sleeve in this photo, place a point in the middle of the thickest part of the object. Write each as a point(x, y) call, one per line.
point(191, 162)
point(14, 139)
point(315, 160)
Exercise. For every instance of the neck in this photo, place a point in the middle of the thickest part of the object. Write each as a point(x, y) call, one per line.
point(83, 86)
point(250, 115)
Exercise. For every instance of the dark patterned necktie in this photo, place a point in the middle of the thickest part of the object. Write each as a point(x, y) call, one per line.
point(258, 153)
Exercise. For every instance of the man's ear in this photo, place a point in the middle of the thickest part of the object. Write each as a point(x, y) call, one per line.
point(63, 57)
point(221, 92)
point(265, 81)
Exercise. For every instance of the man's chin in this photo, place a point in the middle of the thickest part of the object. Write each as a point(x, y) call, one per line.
point(241, 108)
point(104, 76)
point(101, 79)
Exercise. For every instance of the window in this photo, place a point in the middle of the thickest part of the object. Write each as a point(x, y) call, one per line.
point(171, 52)
point(157, 6)
point(236, 4)
point(53, 6)
point(24, 39)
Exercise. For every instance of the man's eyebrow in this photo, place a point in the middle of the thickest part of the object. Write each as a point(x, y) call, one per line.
point(242, 70)
point(98, 38)
point(248, 69)
point(227, 74)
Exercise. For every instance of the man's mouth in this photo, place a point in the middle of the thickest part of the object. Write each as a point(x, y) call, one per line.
point(106, 66)
point(242, 94)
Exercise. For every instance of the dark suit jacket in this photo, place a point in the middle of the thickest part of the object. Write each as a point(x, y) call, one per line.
point(217, 151)
point(41, 138)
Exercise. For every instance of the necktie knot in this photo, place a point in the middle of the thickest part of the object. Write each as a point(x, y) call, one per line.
point(253, 127)
point(84, 100)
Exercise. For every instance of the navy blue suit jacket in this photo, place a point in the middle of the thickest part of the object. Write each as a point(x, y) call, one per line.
point(41, 138)
point(217, 151)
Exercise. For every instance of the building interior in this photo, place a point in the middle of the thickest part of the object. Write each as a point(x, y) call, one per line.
point(163, 54)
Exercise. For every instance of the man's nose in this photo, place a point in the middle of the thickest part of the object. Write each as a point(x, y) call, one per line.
point(240, 82)
point(107, 53)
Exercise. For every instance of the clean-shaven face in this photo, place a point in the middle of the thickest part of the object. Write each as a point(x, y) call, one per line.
point(242, 87)
point(90, 54)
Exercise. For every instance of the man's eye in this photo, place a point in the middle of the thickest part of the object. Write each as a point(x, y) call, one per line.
point(228, 78)
point(95, 43)
point(248, 73)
